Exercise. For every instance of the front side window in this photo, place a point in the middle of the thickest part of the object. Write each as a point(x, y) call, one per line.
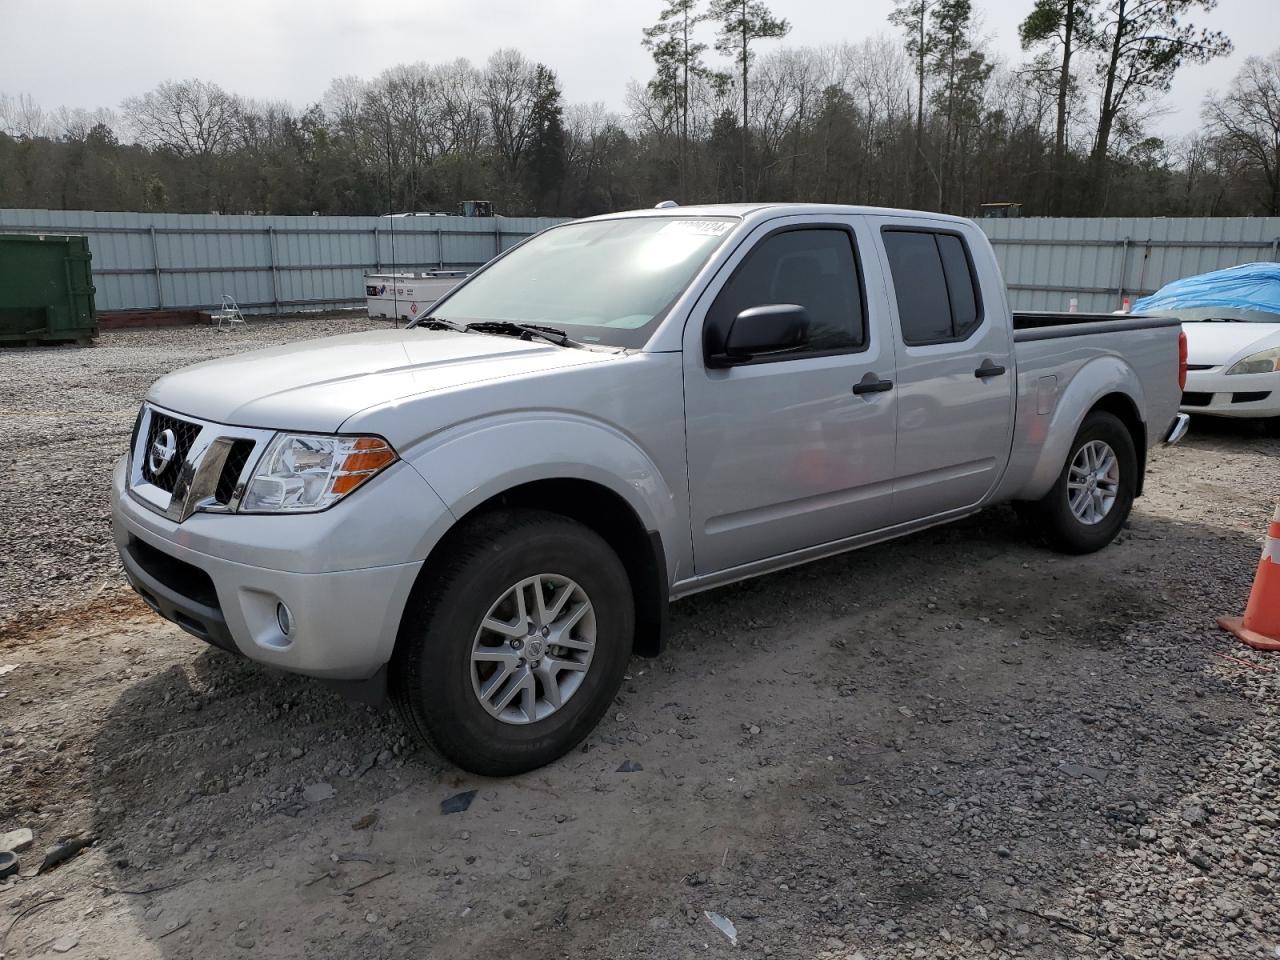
point(937, 296)
point(606, 281)
point(815, 268)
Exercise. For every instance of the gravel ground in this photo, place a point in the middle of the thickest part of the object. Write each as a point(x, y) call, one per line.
point(1003, 753)
point(65, 417)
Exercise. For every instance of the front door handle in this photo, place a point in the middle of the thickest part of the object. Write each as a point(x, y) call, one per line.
point(871, 383)
point(988, 369)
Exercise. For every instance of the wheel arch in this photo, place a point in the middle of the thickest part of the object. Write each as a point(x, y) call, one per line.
point(1105, 383)
point(603, 511)
point(1123, 408)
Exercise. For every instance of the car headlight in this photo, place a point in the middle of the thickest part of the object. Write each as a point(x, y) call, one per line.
point(1268, 361)
point(302, 472)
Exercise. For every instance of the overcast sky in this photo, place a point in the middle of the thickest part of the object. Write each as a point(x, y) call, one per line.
point(91, 53)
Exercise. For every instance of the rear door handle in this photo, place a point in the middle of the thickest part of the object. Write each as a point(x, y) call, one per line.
point(871, 383)
point(988, 369)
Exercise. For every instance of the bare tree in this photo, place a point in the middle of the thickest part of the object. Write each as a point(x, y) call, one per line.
point(1246, 120)
point(23, 118)
point(508, 93)
point(341, 104)
point(192, 118)
point(789, 86)
point(877, 78)
point(76, 124)
point(461, 116)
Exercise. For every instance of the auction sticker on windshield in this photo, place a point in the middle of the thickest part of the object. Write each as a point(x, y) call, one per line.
point(698, 228)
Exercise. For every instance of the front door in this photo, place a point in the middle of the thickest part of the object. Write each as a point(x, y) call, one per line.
point(955, 371)
point(783, 453)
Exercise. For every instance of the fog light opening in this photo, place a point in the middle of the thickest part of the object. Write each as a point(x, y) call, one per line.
point(284, 618)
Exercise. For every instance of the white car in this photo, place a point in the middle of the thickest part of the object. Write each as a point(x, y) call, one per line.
point(1233, 363)
point(1231, 319)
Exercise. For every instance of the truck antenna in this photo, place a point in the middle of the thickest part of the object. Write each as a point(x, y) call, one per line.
point(391, 215)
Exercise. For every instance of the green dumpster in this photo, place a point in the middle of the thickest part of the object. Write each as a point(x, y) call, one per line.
point(46, 289)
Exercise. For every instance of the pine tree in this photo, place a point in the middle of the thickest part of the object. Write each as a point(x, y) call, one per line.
point(741, 23)
point(1143, 43)
point(912, 17)
point(1068, 26)
point(962, 70)
point(678, 58)
point(546, 140)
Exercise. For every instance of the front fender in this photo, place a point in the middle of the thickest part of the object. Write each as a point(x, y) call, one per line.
point(1095, 379)
point(477, 460)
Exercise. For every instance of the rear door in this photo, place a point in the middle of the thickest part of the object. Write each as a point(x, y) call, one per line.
point(797, 449)
point(955, 382)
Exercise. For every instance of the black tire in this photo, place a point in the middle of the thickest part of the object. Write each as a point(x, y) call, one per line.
point(1052, 514)
point(431, 672)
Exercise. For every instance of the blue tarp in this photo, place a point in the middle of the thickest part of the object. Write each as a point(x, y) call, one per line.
point(1250, 286)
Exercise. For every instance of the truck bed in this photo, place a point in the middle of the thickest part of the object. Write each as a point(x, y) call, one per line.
point(1048, 325)
point(1066, 361)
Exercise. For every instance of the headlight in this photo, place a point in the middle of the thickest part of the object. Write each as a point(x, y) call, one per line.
point(303, 472)
point(1268, 361)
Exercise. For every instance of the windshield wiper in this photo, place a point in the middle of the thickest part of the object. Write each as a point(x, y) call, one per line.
point(438, 323)
point(503, 328)
point(508, 328)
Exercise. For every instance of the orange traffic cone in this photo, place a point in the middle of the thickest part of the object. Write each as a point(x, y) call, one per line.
point(1260, 625)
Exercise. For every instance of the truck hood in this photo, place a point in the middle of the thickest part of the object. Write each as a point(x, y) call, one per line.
point(316, 385)
point(1217, 342)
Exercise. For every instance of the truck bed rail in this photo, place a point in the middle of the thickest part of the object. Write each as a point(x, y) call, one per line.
point(1047, 325)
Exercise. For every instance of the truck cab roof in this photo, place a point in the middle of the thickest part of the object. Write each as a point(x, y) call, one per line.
point(758, 211)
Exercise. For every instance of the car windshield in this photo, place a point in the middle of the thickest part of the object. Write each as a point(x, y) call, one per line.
point(604, 282)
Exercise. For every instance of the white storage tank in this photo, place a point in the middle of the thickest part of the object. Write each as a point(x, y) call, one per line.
point(407, 296)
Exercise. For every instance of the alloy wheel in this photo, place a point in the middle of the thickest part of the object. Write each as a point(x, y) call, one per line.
point(533, 649)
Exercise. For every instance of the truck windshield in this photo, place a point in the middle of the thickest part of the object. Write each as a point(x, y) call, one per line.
point(604, 282)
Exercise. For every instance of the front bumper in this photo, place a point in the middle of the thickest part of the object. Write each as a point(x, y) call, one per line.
point(206, 574)
point(1213, 393)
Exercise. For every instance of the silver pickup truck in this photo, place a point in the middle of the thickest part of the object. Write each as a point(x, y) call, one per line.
point(486, 514)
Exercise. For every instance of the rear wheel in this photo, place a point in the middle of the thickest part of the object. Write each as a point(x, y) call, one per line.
point(513, 651)
point(1089, 503)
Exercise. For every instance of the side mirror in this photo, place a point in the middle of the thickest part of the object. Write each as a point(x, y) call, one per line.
point(759, 331)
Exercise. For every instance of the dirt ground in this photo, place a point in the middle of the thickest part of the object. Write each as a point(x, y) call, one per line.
point(955, 745)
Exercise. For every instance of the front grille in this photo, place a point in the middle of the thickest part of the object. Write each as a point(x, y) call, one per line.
point(1252, 396)
point(1196, 399)
point(1199, 366)
point(232, 467)
point(184, 433)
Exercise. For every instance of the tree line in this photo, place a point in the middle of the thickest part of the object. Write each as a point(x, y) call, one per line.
point(925, 117)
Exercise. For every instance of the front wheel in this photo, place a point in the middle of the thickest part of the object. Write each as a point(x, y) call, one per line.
point(513, 650)
point(1089, 503)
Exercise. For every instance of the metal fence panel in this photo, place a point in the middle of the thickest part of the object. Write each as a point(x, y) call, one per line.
point(150, 261)
point(146, 261)
point(1099, 261)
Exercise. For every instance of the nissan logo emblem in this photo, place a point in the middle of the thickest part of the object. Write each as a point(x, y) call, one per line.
point(163, 448)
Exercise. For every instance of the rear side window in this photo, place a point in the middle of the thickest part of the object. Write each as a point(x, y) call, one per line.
point(815, 268)
point(933, 281)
